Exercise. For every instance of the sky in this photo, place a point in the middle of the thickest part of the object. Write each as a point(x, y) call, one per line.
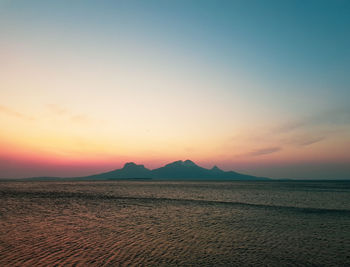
point(259, 87)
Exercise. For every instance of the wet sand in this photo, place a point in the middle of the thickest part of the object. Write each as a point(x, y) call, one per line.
point(173, 224)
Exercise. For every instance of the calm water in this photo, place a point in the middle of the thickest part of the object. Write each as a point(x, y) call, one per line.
point(174, 223)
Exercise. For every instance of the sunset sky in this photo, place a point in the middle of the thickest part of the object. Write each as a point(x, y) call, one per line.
point(259, 87)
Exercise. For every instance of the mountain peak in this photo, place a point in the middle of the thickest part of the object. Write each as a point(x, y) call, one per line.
point(132, 165)
point(216, 169)
point(186, 163)
point(189, 163)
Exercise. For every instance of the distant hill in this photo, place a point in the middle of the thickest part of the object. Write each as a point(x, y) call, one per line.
point(178, 170)
point(130, 170)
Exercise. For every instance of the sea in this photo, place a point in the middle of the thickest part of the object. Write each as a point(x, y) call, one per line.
point(175, 223)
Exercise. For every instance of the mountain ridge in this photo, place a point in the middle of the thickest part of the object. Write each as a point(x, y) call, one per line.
point(177, 170)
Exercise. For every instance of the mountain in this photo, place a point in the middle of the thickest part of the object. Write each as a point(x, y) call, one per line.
point(182, 169)
point(178, 170)
point(189, 170)
point(130, 170)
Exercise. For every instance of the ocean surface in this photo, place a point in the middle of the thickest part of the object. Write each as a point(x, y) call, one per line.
point(145, 223)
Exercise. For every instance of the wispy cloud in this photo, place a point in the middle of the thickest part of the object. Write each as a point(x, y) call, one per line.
point(80, 118)
point(11, 112)
point(265, 151)
point(56, 109)
point(70, 115)
point(307, 140)
point(302, 133)
point(339, 116)
point(312, 129)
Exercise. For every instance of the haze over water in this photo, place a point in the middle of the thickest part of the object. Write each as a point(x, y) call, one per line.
point(168, 223)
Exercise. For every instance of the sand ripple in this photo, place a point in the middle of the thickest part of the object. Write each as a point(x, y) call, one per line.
point(60, 227)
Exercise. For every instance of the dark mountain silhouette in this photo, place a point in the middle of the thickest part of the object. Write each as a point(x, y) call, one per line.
point(182, 169)
point(130, 170)
point(178, 170)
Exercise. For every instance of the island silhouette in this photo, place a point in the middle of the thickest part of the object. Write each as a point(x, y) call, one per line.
point(177, 170)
